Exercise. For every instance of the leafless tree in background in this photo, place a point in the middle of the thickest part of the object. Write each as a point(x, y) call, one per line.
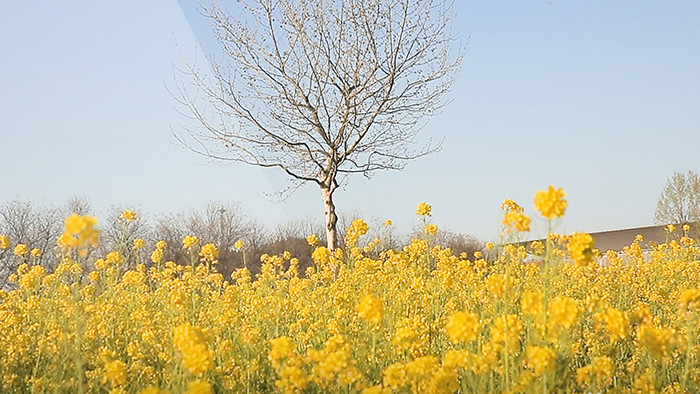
point(219, 223)
point(37, 227)
point(78, 204)
point(116, 234)
point(679, 202)
point(322, 89)
point(459, 243)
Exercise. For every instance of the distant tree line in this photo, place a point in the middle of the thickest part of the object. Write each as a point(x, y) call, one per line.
point(220, 223)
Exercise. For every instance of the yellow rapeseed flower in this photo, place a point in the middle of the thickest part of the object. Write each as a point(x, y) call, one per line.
point(423, 209)
point(114, 258)
point(21, 250)
point(209, 253)
point(563, 311)
point(199, 386)
point(189, 340)
point(531, 303)
point(518, 221)
point(321, 255)
point(280, 349)
point(550, 202)
point(462, 327)
point(138, 243)
point(157, 256)
point(4, 242)
point(36, 253)
point(509, 205)
point(238, 245)
point(580, 247)
point(189, 241)
point(115, 372)
point(312, 240)
point(506, 328)
point(689, 298)
point(539, 359)
point(431, 229)
point(128, 215)
point(615, 322)
point(370, 308)
point(79, 231)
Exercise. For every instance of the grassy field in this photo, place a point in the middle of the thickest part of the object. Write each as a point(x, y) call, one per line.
point(547, 317)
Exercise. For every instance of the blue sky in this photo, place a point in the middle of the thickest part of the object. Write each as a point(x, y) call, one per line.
point(600, 98)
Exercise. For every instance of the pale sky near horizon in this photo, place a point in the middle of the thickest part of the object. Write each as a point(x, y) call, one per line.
point(599, 98)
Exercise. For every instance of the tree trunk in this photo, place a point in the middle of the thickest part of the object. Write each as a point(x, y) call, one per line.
point(331, 217)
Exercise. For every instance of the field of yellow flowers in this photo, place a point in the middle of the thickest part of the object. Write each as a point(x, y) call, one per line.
point(549, 316)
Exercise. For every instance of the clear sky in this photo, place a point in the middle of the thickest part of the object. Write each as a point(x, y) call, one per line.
point(600, 98)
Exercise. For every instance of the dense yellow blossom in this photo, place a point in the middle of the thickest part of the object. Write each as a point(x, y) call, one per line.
point(20, 250)
point(431, 229)
point(116, 373)
point(190, 241)
point(462, 327)
point(138, 243)
point(550, 202)
point(209, 253)
point(355, 231)
point(689, 298)
point(517, 221)
point(423, 209)
point(539, 359)
point(190, 341)
point(515, 318)
point(312, 240)
point(580, 247)
point(128, 215)
point(370, 308)
point(199, 386)
point(4, 242)
point(563, 311)
point(509, 205)
point(79, 230)
point(157, 256)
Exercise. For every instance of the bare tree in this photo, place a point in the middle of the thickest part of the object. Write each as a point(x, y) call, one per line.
point(37, 227)
point(78, 204)
point(219, 223)
point(679, 202)
point(322, 89)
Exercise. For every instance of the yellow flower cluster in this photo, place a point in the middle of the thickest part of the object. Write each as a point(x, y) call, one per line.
point(312, 240)
point(79, 231)
point(415, 319)
point(462, 327)
point(424, 209)
point(581, 248)
point(128, 216)
point(209, 253)
point(517, 221)
point(370, 308)
point(357, 229)
point(192, 345)
point(20, 250)
point(189, 242)
point(4, 242)
point(550, 202)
